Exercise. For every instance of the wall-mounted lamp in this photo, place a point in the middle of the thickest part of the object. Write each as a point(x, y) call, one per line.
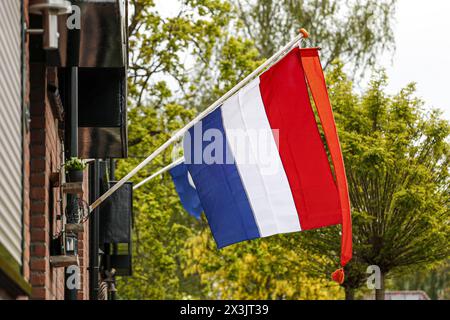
point(71, 244)
point(50, 10)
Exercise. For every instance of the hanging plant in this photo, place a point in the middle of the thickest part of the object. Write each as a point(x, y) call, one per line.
point(74, 169)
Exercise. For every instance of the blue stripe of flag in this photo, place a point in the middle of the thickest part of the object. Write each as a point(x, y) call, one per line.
point(220, 189)
point(188, 194)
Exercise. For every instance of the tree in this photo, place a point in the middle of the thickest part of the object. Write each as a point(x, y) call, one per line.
point(355, 32)
point(397, 161)
point(157, 79)
point(160, 225)
point(159, 46)
point(435, 281)
point(396, 157)
point(163, 94)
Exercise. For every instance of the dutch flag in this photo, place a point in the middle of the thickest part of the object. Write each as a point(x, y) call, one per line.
point(258, 163)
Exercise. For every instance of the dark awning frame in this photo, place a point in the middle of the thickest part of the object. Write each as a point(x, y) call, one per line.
point(99, 51)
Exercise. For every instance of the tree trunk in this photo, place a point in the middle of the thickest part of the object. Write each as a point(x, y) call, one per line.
point(349, 293)
point(379, 293)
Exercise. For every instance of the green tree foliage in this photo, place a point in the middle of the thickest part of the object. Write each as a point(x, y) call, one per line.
point(158, 77)
point(355, 32)
point(234, 59)
point(435, 281)
point(160, 225)
point(396, 157)
point(160, 46)
point(274, 268)
point(164, 92)
point(167, 56)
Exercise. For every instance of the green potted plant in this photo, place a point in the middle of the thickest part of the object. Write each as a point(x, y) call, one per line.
point(74, 169)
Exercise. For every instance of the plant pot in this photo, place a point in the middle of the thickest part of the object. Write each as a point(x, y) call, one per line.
point(75, 176)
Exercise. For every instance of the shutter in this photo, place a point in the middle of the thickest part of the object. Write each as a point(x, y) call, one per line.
point(10, 128)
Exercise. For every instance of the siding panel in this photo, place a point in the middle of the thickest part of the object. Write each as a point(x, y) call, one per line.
point(10, 128)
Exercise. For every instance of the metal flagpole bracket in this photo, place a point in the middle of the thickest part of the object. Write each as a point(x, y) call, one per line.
point(163, 170)
point(35, 31)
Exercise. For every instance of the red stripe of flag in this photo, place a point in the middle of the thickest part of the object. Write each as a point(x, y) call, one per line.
point(288, 108)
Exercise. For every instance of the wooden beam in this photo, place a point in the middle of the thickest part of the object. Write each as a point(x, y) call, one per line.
point(74, 227)
point(73, 188)
point(64, 261)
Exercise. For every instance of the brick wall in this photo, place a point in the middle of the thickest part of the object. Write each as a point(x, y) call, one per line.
point(42, 156)
point(83, 249)
point(48, 283)
point(46, 206)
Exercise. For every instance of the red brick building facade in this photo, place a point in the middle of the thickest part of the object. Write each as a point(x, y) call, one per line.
point(45, 213)
point(43, 132)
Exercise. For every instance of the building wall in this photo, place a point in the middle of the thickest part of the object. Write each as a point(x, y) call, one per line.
point(42, 204)
point(11, 129)
point(14, 87)
point(45, 151)
point(47, 203)
point(26, 154)
point(83, 250)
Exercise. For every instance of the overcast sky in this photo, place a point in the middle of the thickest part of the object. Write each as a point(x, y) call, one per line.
point(422, 31)
point(423, 51)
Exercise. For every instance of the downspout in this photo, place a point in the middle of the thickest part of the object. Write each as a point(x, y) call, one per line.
point(94, 268)
point(74, 111)
point(70, 293)
point(112, 285)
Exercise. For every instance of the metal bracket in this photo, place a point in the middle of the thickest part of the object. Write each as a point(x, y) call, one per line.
point(50, 10)
point(35, 31)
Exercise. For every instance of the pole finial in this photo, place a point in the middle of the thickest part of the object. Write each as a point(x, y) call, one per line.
point(304, 33)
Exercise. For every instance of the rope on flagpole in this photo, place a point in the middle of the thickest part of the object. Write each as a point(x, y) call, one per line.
point(272, 60)
point(157, 173)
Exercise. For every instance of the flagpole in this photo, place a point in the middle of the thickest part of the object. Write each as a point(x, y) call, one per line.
point(157, 173)
point(303, 34)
